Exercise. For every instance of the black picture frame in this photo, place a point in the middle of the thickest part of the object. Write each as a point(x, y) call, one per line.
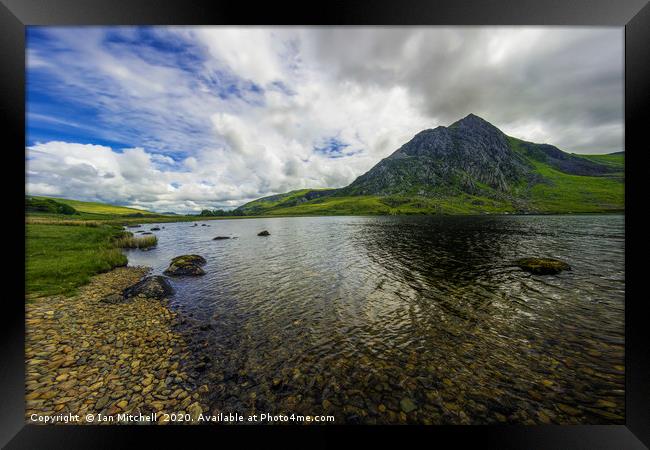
point(633, 15)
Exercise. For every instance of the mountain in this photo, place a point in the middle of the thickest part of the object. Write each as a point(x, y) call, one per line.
point(468, 167)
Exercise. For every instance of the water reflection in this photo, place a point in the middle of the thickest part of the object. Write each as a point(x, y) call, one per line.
point(406, 319)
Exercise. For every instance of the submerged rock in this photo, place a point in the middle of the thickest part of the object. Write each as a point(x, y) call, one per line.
point(218, 238)
point(146, 232)
point(542, 266)
point(186, 265)
point(151, 287)
point(264, 233)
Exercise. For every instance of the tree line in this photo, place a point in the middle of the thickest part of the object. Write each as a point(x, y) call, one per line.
point(221, 212)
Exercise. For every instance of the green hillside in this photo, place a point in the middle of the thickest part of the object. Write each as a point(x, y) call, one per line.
point(557, 193)
point(97, 208)
point(470, 167)
point(613, 160)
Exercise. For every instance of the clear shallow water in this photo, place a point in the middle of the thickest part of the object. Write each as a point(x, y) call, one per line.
point(405, 319)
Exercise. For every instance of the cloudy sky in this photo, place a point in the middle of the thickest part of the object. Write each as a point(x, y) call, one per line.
point(185, 118)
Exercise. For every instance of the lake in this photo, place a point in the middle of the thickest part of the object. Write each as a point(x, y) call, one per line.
point(404, 319)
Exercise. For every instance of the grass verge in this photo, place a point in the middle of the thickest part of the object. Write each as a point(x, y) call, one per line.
point(60, 258)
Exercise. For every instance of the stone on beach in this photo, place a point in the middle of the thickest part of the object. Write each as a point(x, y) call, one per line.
point(113, 299)
point(89, 360)
point(151, 287)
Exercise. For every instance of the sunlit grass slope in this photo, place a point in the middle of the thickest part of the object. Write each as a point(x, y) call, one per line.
point(99, 208)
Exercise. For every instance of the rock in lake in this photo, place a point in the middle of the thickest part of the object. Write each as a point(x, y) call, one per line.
point(151, 287)
point(133, 226)
point(155, 229)
point(193, 259)
point(186, 265)
point(264, 233)
point(219, 238)
point(146, 232)
point(542, 266)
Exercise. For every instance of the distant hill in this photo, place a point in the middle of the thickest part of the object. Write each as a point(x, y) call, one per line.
point(96, 208)
point(468, 167)
point(48, 205)
point(614, 160)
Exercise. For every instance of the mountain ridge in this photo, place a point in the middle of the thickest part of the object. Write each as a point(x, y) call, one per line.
point(469, 166)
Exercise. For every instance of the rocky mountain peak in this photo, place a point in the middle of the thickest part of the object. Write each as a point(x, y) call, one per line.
point(471, 150)
point(475, 125)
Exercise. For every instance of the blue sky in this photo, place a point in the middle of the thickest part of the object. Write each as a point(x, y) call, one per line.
point(185, 118)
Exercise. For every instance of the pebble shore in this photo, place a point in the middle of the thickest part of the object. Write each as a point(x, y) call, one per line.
point(84, 356)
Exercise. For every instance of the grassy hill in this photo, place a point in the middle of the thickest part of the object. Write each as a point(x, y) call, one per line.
point(99, 208)
point(558, 193)
point(93, 213)
point(613, 160)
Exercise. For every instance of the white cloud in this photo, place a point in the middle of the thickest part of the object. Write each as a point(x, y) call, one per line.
point(231, 114)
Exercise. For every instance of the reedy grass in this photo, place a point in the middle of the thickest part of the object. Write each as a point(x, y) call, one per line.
point(140, 242)
point(36, 220)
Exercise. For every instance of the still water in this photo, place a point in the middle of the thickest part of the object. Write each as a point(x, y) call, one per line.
point(405, 319)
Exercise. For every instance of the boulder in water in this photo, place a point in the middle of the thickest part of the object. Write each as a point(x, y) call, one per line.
point(186, 265)
point(264, 233)
point(219, 238)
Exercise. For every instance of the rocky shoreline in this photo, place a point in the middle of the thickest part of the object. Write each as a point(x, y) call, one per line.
point(84, 356)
